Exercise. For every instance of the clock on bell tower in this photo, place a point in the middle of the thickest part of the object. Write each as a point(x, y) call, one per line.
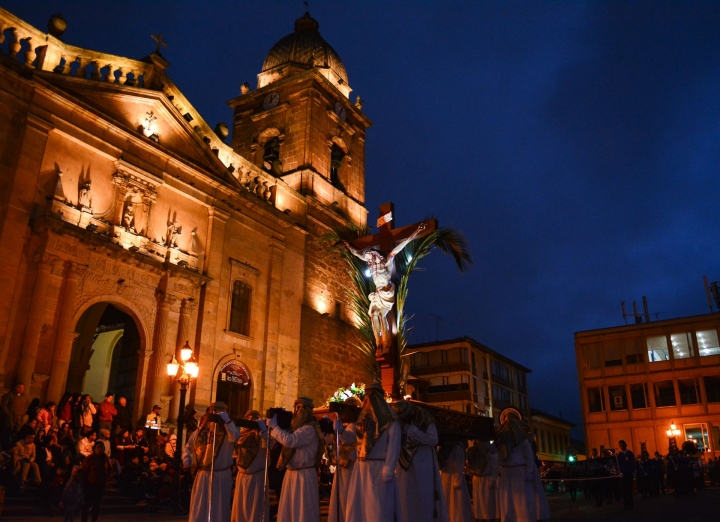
point(300, 125)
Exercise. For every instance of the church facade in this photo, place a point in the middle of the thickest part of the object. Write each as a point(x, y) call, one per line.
point(129, 227)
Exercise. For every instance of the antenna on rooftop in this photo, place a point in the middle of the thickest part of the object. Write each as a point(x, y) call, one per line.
point(638, 316)
point(714, 290)
point(437, 325)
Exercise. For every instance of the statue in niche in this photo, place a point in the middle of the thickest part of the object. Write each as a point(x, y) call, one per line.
point(252, 185)
point(129, 218)
point(173, 231)
point(266, 192)
point(85, 198)
point(244, 179)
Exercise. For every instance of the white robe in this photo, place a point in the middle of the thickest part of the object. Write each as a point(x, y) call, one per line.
point(341, 482)
point(516, 496)
point(541, 501)
point(485, 493)
point(454, 486)
point(249, 484)
point(221, 498)
point(420, 484)
point(369, 498)
point(299, 498)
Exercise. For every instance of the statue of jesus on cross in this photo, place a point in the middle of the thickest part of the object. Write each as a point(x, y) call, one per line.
point(382, 300)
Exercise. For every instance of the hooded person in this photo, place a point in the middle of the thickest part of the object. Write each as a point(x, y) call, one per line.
point(451, 459)
point(251, 449)
point(211, 449)
point(345, 426)
point(482, 464)
point(418, 474)
point(373, 492)
point(519, 487)
point(302, 449)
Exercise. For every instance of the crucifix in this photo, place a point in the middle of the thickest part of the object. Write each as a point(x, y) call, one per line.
point(379, 251)
point(160, 42)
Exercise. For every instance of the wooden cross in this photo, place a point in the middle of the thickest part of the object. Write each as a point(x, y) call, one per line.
point(384, 241)
point(160, 42)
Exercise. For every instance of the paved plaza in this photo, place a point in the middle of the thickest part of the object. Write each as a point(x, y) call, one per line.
point(688, 508)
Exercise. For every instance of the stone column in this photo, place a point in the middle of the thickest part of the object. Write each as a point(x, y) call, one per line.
point(64, 334)
point(157, 372)
point(33, 327)
point(182, 336)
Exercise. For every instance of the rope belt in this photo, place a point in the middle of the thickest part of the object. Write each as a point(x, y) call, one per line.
point(252, 473)
point(300, 469)
point(207, 468)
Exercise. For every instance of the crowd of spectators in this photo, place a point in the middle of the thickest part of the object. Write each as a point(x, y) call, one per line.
point(70, 451)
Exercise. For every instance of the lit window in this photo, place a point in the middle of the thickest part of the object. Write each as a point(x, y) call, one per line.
point(664, 393)
point(658, 349)
point(708, 343)
point(682, 345)
point(240, 308)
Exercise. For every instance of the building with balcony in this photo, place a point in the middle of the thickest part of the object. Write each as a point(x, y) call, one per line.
point(637, 380)
point(552, 436)
point(465, 375)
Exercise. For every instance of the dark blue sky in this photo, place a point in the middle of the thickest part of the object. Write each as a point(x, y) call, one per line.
point(575, 144)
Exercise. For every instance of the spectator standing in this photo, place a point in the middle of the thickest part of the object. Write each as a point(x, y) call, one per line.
point(626, 463)
point(46, 417)
point(12, 409)
point(24, 459)
point(153, 422)
point(122, 420)
point(73, 496)
point(191, 422)
point(95, 473)
point(88, 410)
point(64, 408)
point(107, 414)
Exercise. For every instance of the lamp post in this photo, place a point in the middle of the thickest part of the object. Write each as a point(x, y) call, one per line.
point(183, 372)
point(672, 432)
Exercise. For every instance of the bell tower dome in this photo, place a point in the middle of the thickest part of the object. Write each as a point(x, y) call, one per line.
point(300, 125)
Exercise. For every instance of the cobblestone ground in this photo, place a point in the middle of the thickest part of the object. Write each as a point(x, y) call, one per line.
point(701, 506)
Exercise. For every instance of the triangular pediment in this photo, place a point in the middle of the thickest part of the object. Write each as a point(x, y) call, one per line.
point(149, 115)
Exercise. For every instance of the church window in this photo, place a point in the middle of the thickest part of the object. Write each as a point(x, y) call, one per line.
point(336, 158)
point(271, 156)
point(240, 308)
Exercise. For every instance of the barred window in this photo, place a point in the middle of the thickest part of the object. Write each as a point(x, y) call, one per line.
point(240, 308)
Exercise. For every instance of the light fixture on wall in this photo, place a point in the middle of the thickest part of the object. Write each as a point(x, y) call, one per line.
point(673, 431)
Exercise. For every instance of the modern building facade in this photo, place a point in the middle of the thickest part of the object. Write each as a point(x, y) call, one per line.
point(637, 380)
point(465, 375)
point(122, 210)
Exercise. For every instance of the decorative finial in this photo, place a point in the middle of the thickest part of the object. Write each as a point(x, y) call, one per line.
point(160, 42)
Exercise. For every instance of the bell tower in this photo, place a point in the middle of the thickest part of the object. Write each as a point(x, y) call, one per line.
point(300, 125)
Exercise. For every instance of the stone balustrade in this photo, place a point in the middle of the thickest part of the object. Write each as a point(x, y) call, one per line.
point(41, 51)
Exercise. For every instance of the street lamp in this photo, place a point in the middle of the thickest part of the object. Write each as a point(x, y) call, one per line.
point(673, 431)
point(182, 372)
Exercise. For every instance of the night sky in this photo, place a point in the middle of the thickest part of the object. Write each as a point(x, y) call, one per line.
point(575, 145)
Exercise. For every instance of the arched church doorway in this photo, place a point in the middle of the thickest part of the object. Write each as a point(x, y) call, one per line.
point(105, 354)
point(234, 388)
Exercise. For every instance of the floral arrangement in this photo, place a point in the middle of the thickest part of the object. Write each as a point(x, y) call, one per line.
point(342, 394)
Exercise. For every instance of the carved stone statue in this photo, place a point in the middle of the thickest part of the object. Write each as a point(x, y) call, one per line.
point(173, 231)
point(383, 298)
point(85, 198)
point(129, 218)
point(266, 192)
